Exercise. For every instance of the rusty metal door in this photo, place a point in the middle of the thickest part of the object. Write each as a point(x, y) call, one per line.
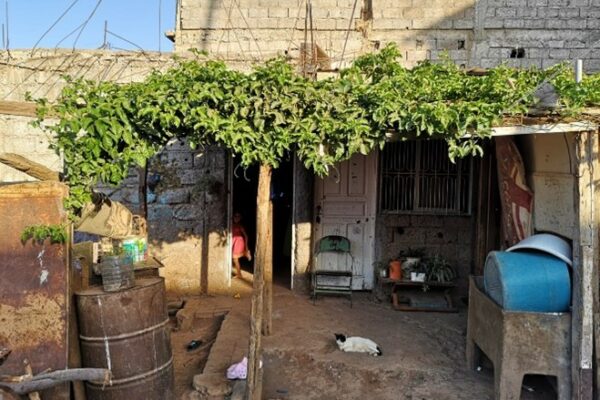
point(33, 282)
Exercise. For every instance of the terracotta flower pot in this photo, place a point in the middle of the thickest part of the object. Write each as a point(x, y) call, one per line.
point(395, 269)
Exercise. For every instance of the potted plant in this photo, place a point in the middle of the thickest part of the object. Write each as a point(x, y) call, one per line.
point(438, 269)
point(410, 259)
point(395, 267)
point(418, 272)
point(381, 268)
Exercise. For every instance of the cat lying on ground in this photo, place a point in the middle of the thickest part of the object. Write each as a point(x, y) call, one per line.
point(357, 344)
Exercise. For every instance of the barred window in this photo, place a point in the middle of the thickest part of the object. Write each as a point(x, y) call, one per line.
point(417, 177)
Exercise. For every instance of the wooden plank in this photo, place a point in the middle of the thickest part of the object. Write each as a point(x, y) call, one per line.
point(584, 246)
point(541, 129)
point(29, 167)
point(19, 108)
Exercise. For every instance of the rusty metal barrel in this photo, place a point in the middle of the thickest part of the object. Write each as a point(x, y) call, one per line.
point(127, 332)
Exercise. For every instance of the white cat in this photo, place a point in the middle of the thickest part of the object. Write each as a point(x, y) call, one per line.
point(358, 344)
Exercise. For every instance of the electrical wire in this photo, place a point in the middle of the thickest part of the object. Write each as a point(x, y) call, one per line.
point(289, 46)
point(7, 30)
point(125, 40)
point(85, 23)
point(348, 31)
point(249, 28)
point(52, 26)
point(159, 24)
point(67, 36)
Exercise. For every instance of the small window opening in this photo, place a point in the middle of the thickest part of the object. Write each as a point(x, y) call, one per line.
point(417, 177)
point(517, 52)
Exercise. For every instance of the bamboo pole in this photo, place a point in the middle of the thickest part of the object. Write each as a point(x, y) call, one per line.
point(263, 255)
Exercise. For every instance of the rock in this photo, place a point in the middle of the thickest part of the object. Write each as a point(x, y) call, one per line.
point(212, 384)
point(185, 318)
point(239, 388)
point(192, 395)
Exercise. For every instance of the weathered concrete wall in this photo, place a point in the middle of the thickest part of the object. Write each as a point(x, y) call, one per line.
point(18, 136)
point(41, 74)
point(547, 161)
point(475, 33)
point(448, 236)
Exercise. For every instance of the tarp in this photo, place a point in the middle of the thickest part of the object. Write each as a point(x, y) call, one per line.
point(515, 196)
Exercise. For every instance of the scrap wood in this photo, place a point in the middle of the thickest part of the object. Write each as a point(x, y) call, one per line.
point(29, 167)
point(27, 383)
point(4, 352)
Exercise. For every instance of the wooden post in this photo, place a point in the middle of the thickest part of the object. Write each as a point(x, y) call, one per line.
point(595, 147)
point(267, 327)
point(482, 218)
point(263, 251)
point(585, 245)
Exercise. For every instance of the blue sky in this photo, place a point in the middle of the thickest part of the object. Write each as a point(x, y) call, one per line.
point(135, 20)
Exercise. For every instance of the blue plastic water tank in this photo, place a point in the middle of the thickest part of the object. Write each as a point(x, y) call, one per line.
point(527, 281)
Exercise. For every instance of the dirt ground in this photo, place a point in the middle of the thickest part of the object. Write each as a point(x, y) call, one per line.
point(188, 362)
point(423, 353)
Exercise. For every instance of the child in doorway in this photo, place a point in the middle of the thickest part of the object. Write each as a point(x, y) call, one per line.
point(239, 243)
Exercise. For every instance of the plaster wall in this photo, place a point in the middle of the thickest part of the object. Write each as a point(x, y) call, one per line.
point(475, 33)
point(547, 165)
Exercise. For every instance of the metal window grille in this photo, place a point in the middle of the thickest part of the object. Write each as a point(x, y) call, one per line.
point(417, 177)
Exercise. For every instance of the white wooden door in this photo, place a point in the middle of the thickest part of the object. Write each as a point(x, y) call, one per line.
point(345, 203)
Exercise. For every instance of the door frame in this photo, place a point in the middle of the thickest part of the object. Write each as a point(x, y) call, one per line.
point(230, 194)
point(372, 187)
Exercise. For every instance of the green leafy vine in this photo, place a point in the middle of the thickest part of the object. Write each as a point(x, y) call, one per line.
point(105, 128)
point(41, 233)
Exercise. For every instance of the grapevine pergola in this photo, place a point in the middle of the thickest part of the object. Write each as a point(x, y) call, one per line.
point(105, 128)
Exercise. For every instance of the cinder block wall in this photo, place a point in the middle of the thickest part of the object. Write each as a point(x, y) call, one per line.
point(475, 33)
point(448, 236)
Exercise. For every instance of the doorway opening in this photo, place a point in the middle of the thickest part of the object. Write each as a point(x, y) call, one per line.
point(282, 199)
point(244, 194)
point(245, 189)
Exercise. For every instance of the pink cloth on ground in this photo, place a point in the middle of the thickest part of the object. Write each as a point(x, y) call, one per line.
point(238, 370)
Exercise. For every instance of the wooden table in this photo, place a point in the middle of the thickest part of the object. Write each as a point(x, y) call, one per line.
point(400, 285)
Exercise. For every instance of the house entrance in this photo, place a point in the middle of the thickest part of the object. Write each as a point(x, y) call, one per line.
point(244, 193)
point(345, 206)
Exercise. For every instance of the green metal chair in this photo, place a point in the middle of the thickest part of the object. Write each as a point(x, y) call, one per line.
point(333, 279)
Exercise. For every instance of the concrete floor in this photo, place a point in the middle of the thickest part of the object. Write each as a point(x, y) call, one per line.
point(423, 353)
